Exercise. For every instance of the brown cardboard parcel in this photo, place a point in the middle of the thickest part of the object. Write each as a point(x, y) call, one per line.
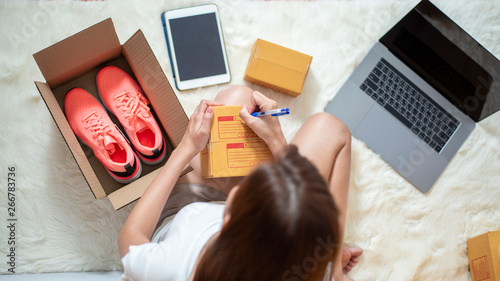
point(484, 256)
point(74, 62)
point(233, 148)
point(278, 68)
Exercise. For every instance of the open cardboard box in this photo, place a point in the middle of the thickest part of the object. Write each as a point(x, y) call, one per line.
point(74, 62)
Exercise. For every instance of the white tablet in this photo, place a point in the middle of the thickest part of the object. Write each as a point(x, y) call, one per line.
point(196, 46)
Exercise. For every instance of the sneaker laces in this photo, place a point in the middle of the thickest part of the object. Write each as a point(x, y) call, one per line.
point(134, 104)
point(94, 124)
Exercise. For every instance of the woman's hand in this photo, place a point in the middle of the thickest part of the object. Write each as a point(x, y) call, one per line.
point(267, 128)
point(198, 130)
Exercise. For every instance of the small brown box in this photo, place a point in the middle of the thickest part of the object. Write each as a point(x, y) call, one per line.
point(278, 68)
point(233, 148)
point(74, 62)
point(484, 256)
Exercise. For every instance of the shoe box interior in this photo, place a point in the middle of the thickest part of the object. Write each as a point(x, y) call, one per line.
point(88, 83)
point(74, 62)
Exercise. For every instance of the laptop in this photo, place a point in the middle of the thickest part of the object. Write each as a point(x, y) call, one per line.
point(416, 96)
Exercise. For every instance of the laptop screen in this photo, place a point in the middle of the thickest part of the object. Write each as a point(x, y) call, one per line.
point(447, 58)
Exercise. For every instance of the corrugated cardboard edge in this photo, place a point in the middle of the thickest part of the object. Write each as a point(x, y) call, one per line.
point(70, 139)
point(133, 191)
point(155, 84)
point(78, 53)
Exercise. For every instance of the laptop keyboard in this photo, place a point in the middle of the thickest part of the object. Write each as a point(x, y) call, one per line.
point(405, 101)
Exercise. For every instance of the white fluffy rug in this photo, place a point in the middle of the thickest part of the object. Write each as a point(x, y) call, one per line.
point(406, 235)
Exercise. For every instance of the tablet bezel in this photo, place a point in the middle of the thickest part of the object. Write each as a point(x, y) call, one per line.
point(198, 82)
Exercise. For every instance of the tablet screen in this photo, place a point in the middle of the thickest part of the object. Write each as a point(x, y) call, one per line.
point(197, 45)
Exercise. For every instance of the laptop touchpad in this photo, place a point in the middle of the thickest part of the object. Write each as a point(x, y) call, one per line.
point(386, 136)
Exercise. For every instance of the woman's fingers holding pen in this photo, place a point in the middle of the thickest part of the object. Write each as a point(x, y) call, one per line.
point(263, 127)
point(267, 128)
point(262, 102)
point(249, 119)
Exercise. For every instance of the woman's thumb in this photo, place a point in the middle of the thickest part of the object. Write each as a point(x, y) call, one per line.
point(245, 115)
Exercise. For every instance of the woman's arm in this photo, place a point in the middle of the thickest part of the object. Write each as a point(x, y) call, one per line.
point(140, 224)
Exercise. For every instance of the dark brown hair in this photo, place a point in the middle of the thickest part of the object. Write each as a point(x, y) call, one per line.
point(283, 226)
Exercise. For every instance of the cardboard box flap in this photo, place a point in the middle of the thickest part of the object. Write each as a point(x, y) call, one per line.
point(79, 53)
point(70, 138)
point(155, 85)
point(281, 56)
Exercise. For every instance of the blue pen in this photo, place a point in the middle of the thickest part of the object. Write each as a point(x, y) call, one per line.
point(273, 112)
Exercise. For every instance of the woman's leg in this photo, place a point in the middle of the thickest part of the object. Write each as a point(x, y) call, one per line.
point(326, 142)
point(231, 95)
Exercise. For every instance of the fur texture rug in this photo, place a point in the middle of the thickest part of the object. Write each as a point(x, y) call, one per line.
point(406, 235)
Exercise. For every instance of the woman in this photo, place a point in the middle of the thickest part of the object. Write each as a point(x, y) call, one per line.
point(284, 221)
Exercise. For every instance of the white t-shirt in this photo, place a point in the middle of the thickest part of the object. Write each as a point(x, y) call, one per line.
point(173, 251)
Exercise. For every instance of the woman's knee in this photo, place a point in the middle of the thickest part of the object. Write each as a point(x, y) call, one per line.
point(235, 95)
point(330, 126)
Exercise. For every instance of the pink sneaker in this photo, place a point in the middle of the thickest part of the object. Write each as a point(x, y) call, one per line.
point(124, 98)
point(92, 125)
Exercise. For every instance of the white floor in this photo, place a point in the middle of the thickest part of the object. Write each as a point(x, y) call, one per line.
point(73, 276)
